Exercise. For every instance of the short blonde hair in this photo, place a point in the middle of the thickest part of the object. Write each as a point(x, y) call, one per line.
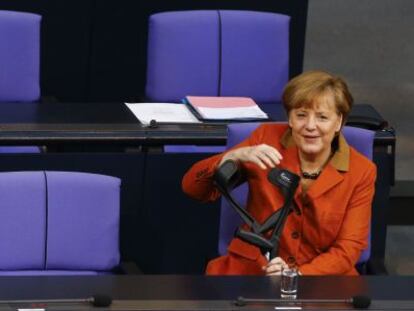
point(306, 88)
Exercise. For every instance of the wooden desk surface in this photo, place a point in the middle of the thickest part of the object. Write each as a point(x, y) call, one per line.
point(174, 292)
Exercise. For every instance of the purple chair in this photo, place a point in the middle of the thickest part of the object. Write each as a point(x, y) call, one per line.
point(361, 139)
point(217, 53)
point(58, 223)
point(19, 63)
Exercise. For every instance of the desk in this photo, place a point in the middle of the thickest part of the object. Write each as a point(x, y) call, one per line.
point(112, 123)
point(107, 139)
point(146, 292)
point(57, 124)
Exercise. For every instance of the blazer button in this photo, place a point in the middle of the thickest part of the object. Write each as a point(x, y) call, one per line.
point(295, 235)
point(291, 260)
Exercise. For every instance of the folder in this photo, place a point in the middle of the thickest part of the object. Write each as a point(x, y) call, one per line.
point(212, 108)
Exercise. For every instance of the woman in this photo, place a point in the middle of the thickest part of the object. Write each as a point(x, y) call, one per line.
point(331, 224)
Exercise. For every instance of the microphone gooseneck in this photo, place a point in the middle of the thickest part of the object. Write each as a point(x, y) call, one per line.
point(358, 302)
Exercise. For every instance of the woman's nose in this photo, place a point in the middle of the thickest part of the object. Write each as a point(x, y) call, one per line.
point(310, 123)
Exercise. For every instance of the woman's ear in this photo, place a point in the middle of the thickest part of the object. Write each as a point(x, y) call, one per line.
point(339, 123)
point(289, 120)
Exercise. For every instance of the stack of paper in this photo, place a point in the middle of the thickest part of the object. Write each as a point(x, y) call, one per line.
point(162, 112)
point(225, 108)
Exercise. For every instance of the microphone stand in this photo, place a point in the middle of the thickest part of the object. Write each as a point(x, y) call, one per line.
point(358, 302)
point(97, 301)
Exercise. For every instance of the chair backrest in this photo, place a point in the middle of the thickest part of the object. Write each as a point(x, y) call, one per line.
point(58, 223)
point(217, 53)
point(19, 56)
point(361, 139)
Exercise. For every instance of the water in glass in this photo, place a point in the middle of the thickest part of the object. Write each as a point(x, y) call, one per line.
point(289, 283)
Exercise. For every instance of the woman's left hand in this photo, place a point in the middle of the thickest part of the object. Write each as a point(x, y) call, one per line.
point(274, 267)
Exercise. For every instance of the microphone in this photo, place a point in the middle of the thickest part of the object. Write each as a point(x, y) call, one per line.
point(95, 300)
point(100, 300)
point(153, 124)
point(358, 302)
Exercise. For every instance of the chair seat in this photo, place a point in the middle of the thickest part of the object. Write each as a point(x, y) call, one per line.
point(70, 222)
point(216, 53)
point(19, 63)
point(20, 149)
point(50, 273)
point(19, 56)
point(193, 149)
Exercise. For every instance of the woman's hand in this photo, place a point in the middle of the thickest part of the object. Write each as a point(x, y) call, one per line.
point(263, 155)
point(275, 266)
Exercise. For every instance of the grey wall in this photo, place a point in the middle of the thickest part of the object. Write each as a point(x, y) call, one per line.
point(371, 44)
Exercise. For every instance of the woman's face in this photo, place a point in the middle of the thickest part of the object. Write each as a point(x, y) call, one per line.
point(314, 128)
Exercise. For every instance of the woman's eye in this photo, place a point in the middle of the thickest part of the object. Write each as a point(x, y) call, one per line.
point(323, 117)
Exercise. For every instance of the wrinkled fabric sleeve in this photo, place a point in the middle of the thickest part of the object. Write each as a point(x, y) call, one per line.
point(198, 181)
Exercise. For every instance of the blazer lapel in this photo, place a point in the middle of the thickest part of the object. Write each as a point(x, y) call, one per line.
point(328, 179)
point(333, 172)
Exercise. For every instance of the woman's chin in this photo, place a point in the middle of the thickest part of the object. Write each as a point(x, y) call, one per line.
point(311, 150)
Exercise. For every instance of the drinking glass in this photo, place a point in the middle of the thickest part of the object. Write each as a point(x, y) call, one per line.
point(289, 282)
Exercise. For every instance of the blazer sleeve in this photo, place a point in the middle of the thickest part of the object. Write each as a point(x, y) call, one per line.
point(198, 181)
point(341, 257)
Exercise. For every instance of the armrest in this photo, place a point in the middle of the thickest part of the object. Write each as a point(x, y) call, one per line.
point(128, 267)
point(367, 122)
point(366, 116)
point(376, 267)
point(48, 99)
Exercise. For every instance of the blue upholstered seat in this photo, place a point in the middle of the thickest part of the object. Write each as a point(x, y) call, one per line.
point(58, 223)
point(19, 63)
point(217, 53)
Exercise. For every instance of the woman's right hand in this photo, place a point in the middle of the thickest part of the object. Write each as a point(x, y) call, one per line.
point(263, 155)
point(275, 266)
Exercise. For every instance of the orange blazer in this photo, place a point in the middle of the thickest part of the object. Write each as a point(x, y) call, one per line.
point(330, 228)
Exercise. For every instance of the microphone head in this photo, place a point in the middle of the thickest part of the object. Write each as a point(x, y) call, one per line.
point(240, 302)
point(361, 302)
point(101, 301)
point(153, 124)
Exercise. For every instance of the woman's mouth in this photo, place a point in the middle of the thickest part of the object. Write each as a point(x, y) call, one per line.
point(310, 139)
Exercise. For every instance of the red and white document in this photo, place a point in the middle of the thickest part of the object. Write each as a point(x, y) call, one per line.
point(225, 108)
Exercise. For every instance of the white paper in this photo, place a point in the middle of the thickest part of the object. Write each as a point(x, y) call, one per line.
point(162, 112)
point(253, 112)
